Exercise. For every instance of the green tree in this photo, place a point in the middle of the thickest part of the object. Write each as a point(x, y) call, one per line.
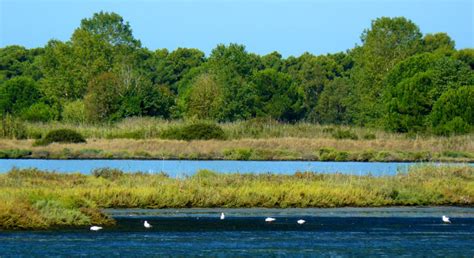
point(18, 94)
point(387, 42)
point(275, 96)
point(333, 103)
point(110, 27)
point(204, 99)
point(453, 112)
point(415, 84)
point(438, 42)
point(102, 100)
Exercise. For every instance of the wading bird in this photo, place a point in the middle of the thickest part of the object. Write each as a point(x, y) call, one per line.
point(269, 219)
point(222, 216)
point(446, 219)
point(95, 228)
point(146, 224)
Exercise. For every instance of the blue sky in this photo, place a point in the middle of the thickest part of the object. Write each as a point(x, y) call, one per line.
point(289, 27)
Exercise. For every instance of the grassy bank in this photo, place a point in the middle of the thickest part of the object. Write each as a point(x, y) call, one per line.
point(38, 199)
point(248, 149)
point(142, 138)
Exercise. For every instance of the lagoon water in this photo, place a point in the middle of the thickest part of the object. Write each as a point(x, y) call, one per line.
point(200, 232)
point(176, 168)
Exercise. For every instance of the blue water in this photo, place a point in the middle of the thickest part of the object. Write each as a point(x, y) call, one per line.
point(188, 167)
point(200, 232)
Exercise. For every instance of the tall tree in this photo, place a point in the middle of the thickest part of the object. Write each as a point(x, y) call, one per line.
point(387, 42)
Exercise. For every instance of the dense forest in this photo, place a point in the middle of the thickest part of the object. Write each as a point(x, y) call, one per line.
point(397, 79)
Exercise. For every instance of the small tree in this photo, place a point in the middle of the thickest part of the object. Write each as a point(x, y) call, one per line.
point(102, 98)
point(205, 98)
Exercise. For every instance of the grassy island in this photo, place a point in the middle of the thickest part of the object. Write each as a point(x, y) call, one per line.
point(34, 199)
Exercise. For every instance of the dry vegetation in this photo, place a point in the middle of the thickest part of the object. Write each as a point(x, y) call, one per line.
point(254, 139)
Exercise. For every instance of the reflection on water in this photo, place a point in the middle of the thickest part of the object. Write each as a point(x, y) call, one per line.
point(176, 168)
point(200, 232)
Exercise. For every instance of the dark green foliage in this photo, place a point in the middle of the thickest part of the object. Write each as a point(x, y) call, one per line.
point(453, 112)
point(344, 134)
point(194, 131)
point(17, 95)
point(62, 136)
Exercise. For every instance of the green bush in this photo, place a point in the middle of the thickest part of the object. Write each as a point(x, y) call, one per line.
point(195, 131)
point(62, 136)
point(74, 112)
point(39, 112)
point(455, 126)
point(344, 134)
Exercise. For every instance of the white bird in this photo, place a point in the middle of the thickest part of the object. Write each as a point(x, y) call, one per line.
point(269, 219)
point(222, 216)
point(146, 224)
point(446, 219)
point(301, 221)
point(95, 228)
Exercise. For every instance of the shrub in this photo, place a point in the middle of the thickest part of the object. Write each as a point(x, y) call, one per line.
point(195, 131)
point(369, 136)
point(62, 136)
point(344, 134)
point(108, 173)
point(74, 112)
point(455, 126)
point(39, 112)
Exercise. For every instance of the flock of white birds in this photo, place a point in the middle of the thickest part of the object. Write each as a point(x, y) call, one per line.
point(445, 219)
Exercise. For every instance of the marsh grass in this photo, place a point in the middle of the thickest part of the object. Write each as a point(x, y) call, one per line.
point(257, 139)
point(32, 198)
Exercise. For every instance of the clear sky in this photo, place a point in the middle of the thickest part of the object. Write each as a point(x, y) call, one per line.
point(289, 27)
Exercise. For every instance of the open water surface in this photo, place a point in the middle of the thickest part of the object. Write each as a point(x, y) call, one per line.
point(244, 233)
point(177, 168)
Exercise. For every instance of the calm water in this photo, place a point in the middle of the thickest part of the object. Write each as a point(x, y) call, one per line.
point(189, 167)
point(199, 232)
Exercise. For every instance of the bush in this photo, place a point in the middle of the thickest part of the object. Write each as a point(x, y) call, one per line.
point(62, 136)
point(39, 112)
point(196, 131)
point(74, 112)
point(344, 134)
point(455, 126)
point(108, 173)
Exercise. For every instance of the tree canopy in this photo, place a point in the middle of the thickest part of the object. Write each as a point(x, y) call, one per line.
point(396, 78)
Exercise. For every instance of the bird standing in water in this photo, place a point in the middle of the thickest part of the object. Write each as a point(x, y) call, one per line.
point(222, 216)
point(146, 224)
point(446, 219)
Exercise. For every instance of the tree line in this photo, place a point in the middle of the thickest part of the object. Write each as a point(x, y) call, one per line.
point(397, 79)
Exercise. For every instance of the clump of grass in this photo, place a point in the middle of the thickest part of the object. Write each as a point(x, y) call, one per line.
point(61, 136)
point(194, 131)
point(344, 134)
point(11, 127)
point(369, 136)
point(108, 173)
point(14, 153)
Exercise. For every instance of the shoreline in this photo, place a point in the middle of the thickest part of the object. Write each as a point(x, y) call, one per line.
point(34, 199)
